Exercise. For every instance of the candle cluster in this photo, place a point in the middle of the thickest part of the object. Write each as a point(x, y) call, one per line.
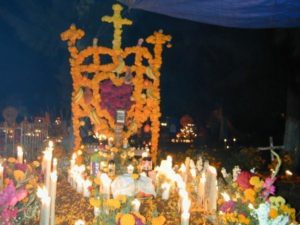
point(47, 193)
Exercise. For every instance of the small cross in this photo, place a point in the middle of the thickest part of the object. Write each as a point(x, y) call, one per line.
point(158, 38)
point(271, 148)
point(118, 22)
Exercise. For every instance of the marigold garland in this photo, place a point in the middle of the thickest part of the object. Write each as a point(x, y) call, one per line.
point(144, 107)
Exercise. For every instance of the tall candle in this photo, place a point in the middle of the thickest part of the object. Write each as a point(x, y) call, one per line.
point(185, 215)
point(165, 190)
point(136, 205)
point(86, 185)
point(185, 218)
point(201, 190)
point(20, 154)
point(54, 165)
point(106, 182)
point(53, 197)
point(212, 188)
point(1, 177)
point(48, 158)
point(42, 193)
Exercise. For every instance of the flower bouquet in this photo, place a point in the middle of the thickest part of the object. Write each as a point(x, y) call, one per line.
point(18, 200)
point(248, 198)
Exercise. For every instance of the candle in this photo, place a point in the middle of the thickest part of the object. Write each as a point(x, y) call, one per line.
point(20, 154)
point(86, 185)
point(165, 191)
point(1, 177)
point(54, 165)
point(182, 170)
point(106, 182)
point(79, 222)
point(53, 178)
point(79, 183)
point(50, 145)
point(48, 158)
point(185, 218)
point(130, 169)
point(136, 205)
point(211, 187)
point(42, 193)
point(201, 190)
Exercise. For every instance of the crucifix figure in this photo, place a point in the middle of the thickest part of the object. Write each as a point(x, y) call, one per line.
point(270, 148)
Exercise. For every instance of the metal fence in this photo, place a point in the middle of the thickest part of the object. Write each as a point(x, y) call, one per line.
point(30, 136)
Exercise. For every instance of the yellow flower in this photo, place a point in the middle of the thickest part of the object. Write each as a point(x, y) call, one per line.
point(11, 160)
point(97, 181)
point(290, 211)
point(113, 204)
point(127, 219)
point(160, 220)
point(249, 195)
point(29, 187)
point(273, 213)
point(122, 198)
point(19, 175)
point(243, 219)
point(135, 176)
point(36, 164)
point(256, 182)
point(95, 202)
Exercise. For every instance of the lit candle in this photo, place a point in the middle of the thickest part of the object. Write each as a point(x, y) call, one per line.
point(53, 197)
point(86, 185)
point(165, 190)
point(1, 177)
point(48, 159)
point(106, 182)
point(50, 145)
point(79, 183)
point(136, 205)
point(212, 188)
point(185, 215)
point(20, 154)
point(79, 222)
point(185, 218)
point(54, 165)
point(130, 169)
point(182, 170)
point(201, 190)
point(42, 193)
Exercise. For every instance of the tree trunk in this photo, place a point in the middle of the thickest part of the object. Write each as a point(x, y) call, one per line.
point(292, 126)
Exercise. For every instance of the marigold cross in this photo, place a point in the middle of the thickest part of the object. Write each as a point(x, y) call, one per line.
point(118, 22)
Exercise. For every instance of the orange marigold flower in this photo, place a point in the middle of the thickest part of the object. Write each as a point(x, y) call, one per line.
point(273, 213)
point(19, 175)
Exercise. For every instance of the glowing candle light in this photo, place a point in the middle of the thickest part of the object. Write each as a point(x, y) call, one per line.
point(105, 187)
point(47, 160)
point(136, 205)
point(42, 193)
point(53, 196)
point(54, 165)
point(201, 189)
point(165, 190)
point(226, 197)
point(185, 215)
point(79, 222)
point(20, 154)
point(212, 187)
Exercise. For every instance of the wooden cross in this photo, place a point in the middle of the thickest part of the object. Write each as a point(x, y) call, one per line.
point(118, 22)
point(270, 148)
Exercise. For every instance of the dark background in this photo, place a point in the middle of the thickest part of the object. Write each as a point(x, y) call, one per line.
point(244, 70)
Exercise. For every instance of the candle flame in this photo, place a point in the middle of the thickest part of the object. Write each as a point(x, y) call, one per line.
point(288, 173)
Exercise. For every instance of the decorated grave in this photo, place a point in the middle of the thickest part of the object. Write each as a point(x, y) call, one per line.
point(116, 98)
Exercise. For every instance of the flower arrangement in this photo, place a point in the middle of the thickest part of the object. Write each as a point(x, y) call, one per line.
point(250, 199)
point(18, 201)
point(145, 97)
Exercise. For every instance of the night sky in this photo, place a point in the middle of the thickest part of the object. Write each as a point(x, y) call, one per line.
point(242, 70)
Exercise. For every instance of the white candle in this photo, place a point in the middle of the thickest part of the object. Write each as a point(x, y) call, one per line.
point(20, 154)
point(185, 218)
point(165, 191)
point(79, 184)
point(53, 197)
point(212, 188)
point(201, 190)
point(42, 193)
point(48, 159)
point(182, 170)
point(1, 177)
point(79, 222)
point(54, 165)
point(130, 169)
point(106, 182)
point(136, 205)
point(50, 144)
point(86, 192)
